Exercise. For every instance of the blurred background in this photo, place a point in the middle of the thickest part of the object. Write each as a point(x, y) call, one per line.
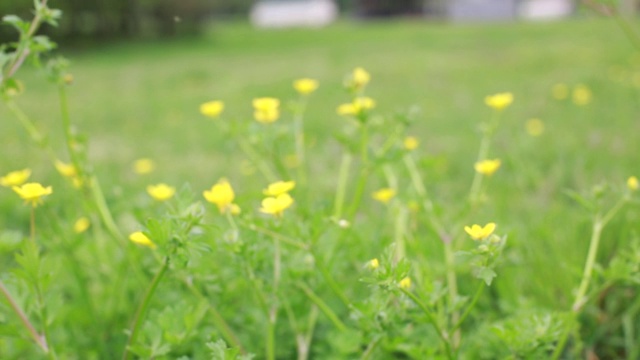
point(112, 19)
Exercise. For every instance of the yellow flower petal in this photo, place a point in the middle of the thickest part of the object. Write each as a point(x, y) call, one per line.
point(66, 170)
point(139, 238)
point(279, 187)
point(305, 86)
point(212, 108)
point(32, 193)
point(405, 283)
point(477, 232)
point(221, 194)
point(81, 225)
point(15, 178)
point(161, 192)
point(276, 205)
point(384, 195)
point(632, 183)
point(499, 101)
point(487, 167)
point(143, 166)
point(411, 143)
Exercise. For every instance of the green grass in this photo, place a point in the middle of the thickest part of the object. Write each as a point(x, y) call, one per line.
point(140, 99)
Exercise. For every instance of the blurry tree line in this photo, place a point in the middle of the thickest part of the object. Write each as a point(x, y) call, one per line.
point(106, 19)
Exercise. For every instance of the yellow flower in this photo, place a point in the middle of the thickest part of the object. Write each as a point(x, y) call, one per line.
point(32, 193)
point(222, 195)
point(15, 178)
point(499, 101)
point(305, 86)
point(535, 127)
point(405, 283)
point(212, 108)
point(384, 195)
point(487, 167)
point(560, 91)
point(141, 239)
point(66, 170)
point(81, 225)
point(266, 109)
point(632, 183)
point(478, 232)
point(279, 187)
point(143, 166)
point(276, 205)
point(357, 107)
point(161, 192)
point(411, 143)
point(581, 95)
point(359, 78)
point(373, 263)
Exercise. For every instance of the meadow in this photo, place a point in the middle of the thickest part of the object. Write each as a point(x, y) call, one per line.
point(229, 277)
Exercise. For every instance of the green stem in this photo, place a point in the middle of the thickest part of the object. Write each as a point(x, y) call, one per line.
point(285, 239)
point(483, 152)
point(41, 341)
point(251, 153)
point(432, 321)
point(452, 287)
point(588, 267)
point(142, 308)
point(400, 232)
point(343, 177)
point(299, 140)
point(322, 306)
point(31, 129)
point(466, 313)
point(332, 283)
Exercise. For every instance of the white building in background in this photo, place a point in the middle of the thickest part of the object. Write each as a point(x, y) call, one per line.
point(545, 9)
point(293, 13)
point(492, 10)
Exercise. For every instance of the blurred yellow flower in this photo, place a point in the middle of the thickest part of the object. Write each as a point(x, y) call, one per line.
point(141, 239)
point(266, 109)
point(499, 101)
point(66, 170)
point(632, 183)
point(212, 109)
point(15, 178)
point(360, 78)
point(411, 143)
point(161, 192)
point(534, 127)
point(487, 167)
point(384, 195)
point(405, 283)
point(305, 86)
point(276, 205)
point(32, 193)
point(358, 106)
point(478, 232)
point(581, 95)
point(81, 225)
point(279, 187)
point(222, 195)
point(560, 91)
point(373, 263)
point(143, 166)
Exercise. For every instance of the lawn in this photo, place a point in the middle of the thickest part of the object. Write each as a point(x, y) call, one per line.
point(140, 100)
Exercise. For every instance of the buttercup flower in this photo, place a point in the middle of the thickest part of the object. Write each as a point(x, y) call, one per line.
point(305, 86)
point(405, 283)
point(581, 95)
point(32, 193)
point(143, 166)
point(360, 78)
point(15, 178)
point(487, 167)
point(276, 205)
point(81, 225)
point(411, 143)
point(373, 263)
point(266, 109)
point(499, 101)
point(212, 108)
point(66, 170)
point(161, 192)
point(560, 91)
point(279, 187)
point(478, 232)
point(632, 183)
point(384, 195)
point(535, 127)
point(358, 106)
point(222, 195)
point(139, 238)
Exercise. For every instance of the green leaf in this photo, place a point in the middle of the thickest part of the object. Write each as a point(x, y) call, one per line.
point(15, 21)
point(485, 273)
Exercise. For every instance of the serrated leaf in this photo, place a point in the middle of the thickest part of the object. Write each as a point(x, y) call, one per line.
point(484, 273)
